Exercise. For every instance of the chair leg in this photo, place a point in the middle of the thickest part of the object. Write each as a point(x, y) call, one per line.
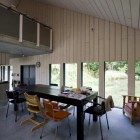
point(7, 110)
point(107, 121)
point(16, 113)
point(42, 129)
point(89, 119)
point(74, 111)
point(56, 132)
point(22, 106)
point(101, 127)
point(69, 127)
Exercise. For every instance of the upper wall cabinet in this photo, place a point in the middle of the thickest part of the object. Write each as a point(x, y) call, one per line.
point(44, 35)
point(23, 34)
point(9, 23)
point(30, 30)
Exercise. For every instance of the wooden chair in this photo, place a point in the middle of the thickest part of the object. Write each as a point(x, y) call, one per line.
point(34, 107)
point(131, 106)
point(55, 114)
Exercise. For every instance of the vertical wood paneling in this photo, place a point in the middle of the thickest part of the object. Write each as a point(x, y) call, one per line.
point(83, 38)
point(127, 11)
point(131, 62)
point(4, 59)
point(112, 42)
point(61, 36)
point(101, 40)
point(71, 36)
point(68, 36)
point(124, 43)
point(58, 49)
point(118, 42)
point(47, 69)
point(57, 40)
point(75, 37)
point(91, 39)
point(65, 29)
point(87, 39)
point(7, 59)
point(79, 38)
point(96, 49)
point(107, 41)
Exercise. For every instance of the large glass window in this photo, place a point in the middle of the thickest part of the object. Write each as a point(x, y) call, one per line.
point(71, 75)
point(137, 78)
point(55, 74)
point(90, 75)
point(4, 73)
point(116, 81)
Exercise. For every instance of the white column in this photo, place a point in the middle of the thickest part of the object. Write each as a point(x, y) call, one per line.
point(38, 34)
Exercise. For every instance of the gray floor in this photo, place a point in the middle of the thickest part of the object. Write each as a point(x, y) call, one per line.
point(120, 127)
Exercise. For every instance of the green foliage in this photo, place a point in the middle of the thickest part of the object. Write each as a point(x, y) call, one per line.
point(118, 66)
point(137, 68)
point(55, 74)
point(71, 75)
point(92, 69)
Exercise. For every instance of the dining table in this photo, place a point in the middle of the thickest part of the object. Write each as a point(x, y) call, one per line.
point(55, 94)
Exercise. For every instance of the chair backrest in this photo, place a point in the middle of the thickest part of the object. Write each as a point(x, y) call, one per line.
point(132, 98)
point(12, 94)
point(109, 103)
point(50, 107)
point(33, 103)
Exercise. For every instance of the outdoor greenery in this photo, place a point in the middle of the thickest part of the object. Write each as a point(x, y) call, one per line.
point(55, 74)
point(71, 75)
point(137, 78)
point(116, 81)
point(91, 75)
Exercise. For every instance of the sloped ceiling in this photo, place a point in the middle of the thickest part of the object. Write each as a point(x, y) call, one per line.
point(125, 12)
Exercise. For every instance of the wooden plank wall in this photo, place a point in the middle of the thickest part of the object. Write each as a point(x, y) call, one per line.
point(81, 38)
point(4, 59)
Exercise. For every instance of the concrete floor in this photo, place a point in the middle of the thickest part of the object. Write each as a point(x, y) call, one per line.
point(120, 127)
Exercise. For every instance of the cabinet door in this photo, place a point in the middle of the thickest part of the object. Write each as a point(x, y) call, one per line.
point(32, 75)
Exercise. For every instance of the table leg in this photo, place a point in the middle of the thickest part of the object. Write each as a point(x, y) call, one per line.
point(94, 104)
point(80, 123)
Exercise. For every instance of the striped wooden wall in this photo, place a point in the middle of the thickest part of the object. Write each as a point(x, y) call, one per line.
point(4, 59)
point(81, 38)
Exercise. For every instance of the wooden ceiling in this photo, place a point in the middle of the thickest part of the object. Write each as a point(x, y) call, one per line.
point(125, 12)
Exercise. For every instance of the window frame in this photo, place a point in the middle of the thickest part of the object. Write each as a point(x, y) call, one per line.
point(50, 75)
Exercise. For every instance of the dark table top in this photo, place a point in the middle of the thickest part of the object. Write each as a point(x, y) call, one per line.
point(53, 93)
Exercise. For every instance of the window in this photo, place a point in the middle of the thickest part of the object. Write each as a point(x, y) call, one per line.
point(4, 73)
point(55, 74)
point(71, 75)
point(137, 78)
point(90, 75)
point(116, 81)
